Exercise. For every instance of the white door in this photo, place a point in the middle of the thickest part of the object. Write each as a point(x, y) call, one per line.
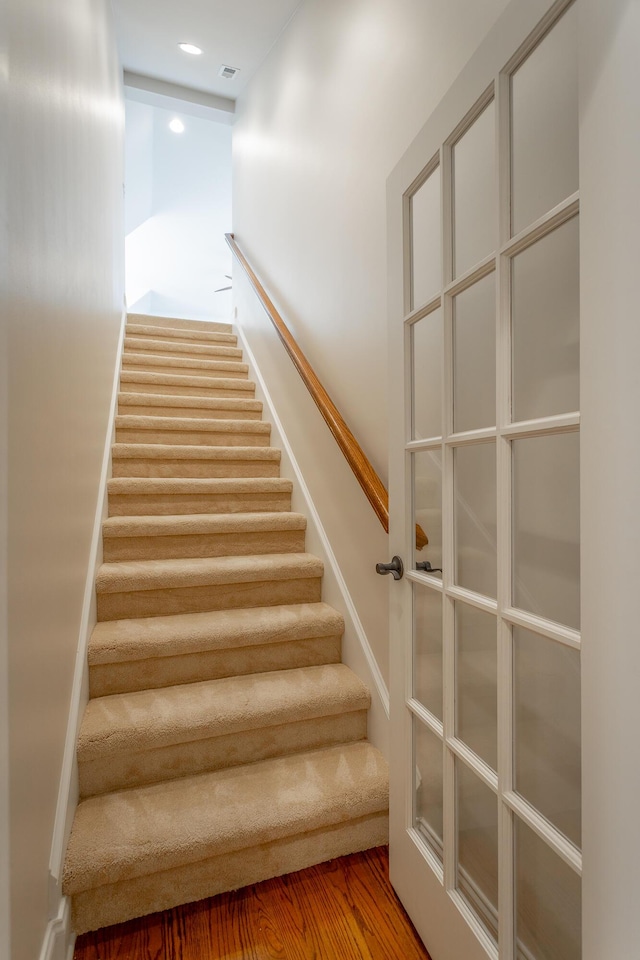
point(484, 347)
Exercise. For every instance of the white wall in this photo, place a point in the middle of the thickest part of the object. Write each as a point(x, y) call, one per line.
point(178, 208)
point(138, 164)
point(63, 303)
point(357, 540)
point(321, 125)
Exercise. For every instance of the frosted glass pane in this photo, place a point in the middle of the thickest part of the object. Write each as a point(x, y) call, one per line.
point(547, 728)
point(428, 785)
point(478, 846)
point(426, 354)
point(546, 325)
point(427, 503)
point(427, 648)
point(474, 190)
point(474, 356)
point(476, 681)
point(426, 243)
point(475, 517)
point(546, 527)
point(548, 901)
point(544, 108)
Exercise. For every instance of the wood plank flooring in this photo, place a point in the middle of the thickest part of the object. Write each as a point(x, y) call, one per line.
point(342, 910)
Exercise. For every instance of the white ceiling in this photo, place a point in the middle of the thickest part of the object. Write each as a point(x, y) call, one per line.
point(237, 33)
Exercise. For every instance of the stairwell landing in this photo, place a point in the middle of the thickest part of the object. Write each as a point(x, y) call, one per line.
point(224, 742)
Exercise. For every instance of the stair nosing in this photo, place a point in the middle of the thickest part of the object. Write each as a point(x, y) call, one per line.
point(321, 691)
point(181, 400)
point(212, 826)
point(236, 366)
point(163, 525)
point(132, 340)
point(187, 380)
point(197, 485)
point(177, 333)
point(203, 424)
point(167, 451)
point(137, 576)
point(131, 639)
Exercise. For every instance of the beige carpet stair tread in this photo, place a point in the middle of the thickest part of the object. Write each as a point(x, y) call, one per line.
point(180, 334)
point(185, 384)
point(120, 641)
point(168, 574)
point(194, 461)
point(221, 367)
point(150, 719)
point(196, 424)
point(179, 323)
point(167, 451)
point(149, 829)
point(168, 485)
point(245, 409)
point(202, 535)
point(164, 526)
point(142, 496)
point(138, 485)
point(175, 348)
point(192, 403)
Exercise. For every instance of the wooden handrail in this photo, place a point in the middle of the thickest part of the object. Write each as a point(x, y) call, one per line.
point(364, 473)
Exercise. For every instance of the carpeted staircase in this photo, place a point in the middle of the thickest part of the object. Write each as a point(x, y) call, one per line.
point(224, 742)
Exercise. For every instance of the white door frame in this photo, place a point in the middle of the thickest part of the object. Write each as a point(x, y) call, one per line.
point(609, 39)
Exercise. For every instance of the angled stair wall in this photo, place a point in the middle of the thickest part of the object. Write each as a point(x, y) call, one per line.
point(224, 741)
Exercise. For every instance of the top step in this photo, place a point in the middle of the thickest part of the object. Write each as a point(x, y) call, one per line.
point(141, 319)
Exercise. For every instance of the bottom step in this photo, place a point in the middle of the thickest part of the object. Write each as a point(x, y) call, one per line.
point(138, 851)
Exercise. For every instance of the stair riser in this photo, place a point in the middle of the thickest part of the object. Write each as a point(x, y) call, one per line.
point(203, 545)
point(184, 336)
point(195, 413)
point(204, 438)
point(226, 369)
point(117, 902)
point(158, 671)
point(192, 350)
point(130, 505)
point(208, 387)
point(204, 326)
point(123, 770)
point(231, 596)
point(195, 469)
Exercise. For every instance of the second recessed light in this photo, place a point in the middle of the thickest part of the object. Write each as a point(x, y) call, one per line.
point(190, 48)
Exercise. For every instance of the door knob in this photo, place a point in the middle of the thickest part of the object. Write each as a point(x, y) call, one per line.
point(426, 566)
point(396, 568)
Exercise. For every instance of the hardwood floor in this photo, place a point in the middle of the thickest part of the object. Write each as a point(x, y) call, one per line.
point(342, 910)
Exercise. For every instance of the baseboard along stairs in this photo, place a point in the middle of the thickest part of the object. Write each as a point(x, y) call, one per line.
point(224, 742)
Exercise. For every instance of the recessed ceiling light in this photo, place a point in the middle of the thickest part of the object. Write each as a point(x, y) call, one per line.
point(190, 48)
point(176, 125)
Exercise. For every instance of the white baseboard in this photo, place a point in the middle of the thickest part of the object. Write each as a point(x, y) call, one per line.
point(58, 933)
point(366, 665)
point(59, 938)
